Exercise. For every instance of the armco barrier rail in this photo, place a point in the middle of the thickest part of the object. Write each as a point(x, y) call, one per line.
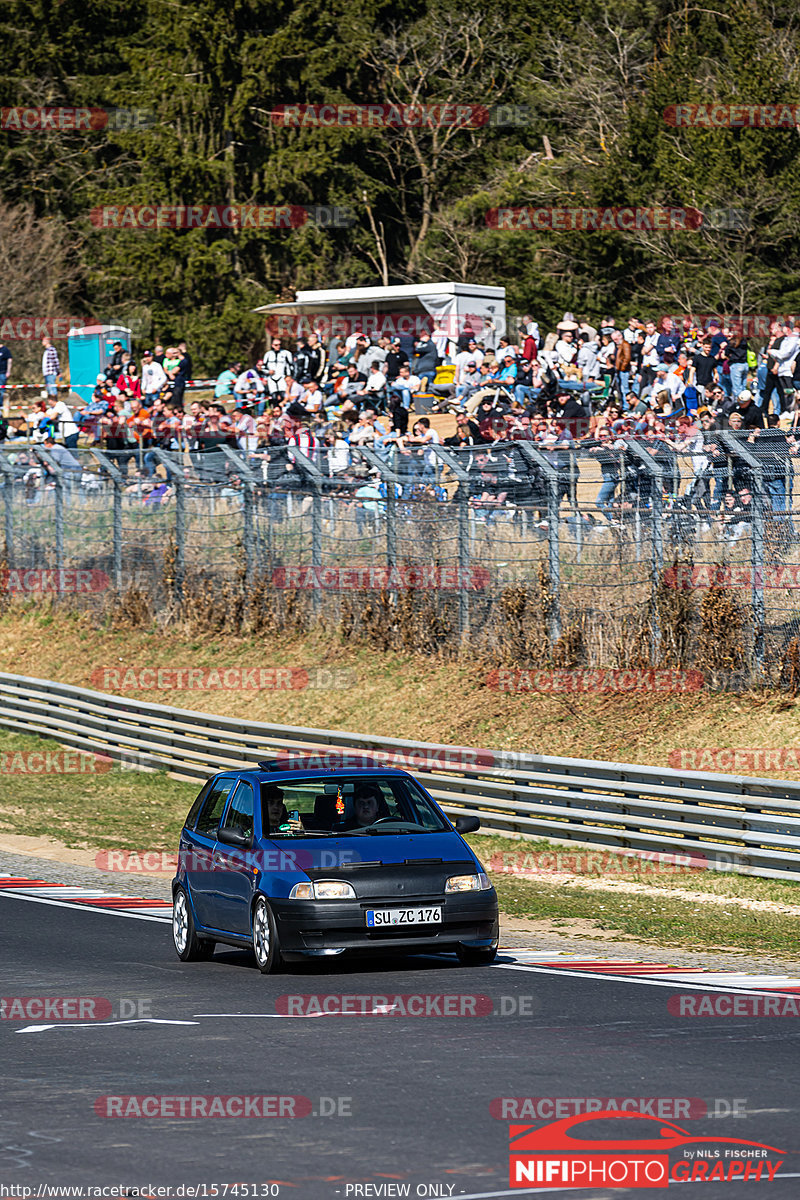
point(738, 823)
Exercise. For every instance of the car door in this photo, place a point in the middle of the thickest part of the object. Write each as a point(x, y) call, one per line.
point(197, 848)
point(233, 865)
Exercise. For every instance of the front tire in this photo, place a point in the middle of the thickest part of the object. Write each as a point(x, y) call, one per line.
point(468, 956)
point(265, 939)
point(188, 946)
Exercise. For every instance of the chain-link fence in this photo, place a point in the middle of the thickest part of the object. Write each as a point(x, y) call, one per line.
point(612, 552)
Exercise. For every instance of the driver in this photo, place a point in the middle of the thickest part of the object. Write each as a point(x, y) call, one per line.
point(369, 806)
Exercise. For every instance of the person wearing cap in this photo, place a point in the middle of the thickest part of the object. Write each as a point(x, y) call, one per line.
point(752, 417)
point(472, 356)
point(153, 377)
point(667, 379)
point(69, 465)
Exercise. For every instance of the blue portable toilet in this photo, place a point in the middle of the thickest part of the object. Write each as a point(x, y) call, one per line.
point(90, 351)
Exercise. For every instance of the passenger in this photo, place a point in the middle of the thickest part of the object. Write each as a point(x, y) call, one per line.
point(275, 811)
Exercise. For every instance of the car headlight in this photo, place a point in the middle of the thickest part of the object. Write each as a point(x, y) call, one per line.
point(468, 883)
point(323, 889)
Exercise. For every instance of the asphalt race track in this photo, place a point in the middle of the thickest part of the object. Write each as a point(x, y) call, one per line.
point(408, 1096)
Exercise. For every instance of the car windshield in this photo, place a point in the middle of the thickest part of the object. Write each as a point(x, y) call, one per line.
point(351, 806)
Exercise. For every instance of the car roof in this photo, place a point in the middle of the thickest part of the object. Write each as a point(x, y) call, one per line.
point(276, 775)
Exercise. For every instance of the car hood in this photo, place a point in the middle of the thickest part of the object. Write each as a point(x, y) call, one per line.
point(348, 855)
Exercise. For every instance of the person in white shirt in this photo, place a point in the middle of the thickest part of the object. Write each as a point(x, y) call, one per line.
point(631, 332)
point(406, 385)
point(649, 354)
point(376, 380)
point(667, 380)
point(61, 416)
point(313, 397)
point(464, 357)
point(423, 436)
point(153, 377)
point(245, 428)
point(292, 389)
point(565, 348)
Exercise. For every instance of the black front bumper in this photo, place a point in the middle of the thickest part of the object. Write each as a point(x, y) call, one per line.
point(311, 927)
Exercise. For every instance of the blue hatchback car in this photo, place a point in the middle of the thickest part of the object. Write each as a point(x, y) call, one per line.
point(301, 864)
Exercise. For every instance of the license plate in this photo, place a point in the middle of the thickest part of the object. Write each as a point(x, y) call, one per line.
point(403, 916)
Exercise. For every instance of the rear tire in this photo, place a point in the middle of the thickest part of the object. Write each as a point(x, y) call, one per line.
point(265, 939)
point(468, 956)
point(188, 946)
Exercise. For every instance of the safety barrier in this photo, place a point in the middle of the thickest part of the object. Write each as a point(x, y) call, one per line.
point(736, 823)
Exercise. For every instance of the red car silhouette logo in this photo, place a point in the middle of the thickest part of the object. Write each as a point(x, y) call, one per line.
point(557, 1138)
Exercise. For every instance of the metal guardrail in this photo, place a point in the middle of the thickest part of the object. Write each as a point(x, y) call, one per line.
point(738, 823)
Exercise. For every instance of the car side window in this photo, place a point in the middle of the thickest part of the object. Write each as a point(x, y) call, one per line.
point(198, 804)
point(214, 806)
point(240, 811)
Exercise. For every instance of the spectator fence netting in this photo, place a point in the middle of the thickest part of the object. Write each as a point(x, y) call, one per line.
point(629, 554)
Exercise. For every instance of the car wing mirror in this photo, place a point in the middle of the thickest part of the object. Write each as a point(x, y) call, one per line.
point(234, 837)
point(467, 824)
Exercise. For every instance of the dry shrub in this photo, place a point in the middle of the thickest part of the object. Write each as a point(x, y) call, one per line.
point(790, 667)
point(676, 615)
point(569, 650)
point(722, 625)
point(130, 609)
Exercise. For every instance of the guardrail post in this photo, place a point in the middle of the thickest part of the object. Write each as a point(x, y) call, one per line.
point(313, 473)
point(175, 472)
point(248, 483)
point(656, 472)
point(450, 460)
point(537, 459)
point(392, 481)
point(58, 475)
point(738, 450)
point(8, 508)
point(117, 480)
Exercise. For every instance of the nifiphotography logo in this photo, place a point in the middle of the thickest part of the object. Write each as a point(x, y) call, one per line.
point(586, 1151)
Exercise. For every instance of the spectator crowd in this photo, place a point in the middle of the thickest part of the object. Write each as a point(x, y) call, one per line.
point(581, 391)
